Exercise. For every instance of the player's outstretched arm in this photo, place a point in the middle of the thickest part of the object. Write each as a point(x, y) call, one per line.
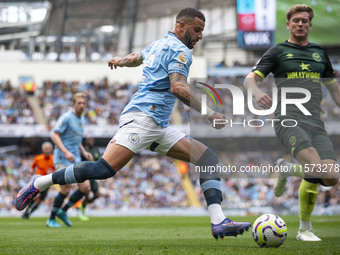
point(181, 90)
point(334, 90)
point(131, 60)
point(261, 98)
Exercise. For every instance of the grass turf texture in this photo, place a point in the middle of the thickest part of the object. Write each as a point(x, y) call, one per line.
point(154, 235)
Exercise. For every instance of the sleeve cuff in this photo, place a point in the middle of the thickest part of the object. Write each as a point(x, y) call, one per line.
point(329, 81)
point(259, 74)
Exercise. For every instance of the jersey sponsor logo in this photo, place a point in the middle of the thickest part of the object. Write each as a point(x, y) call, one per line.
point(182, 57)
point(290, 55)
point(315, 76)
point(304, 66)
point(180, 65)
point(134, 138)
point(304, 75)
point(316, 57)
point(255, 39)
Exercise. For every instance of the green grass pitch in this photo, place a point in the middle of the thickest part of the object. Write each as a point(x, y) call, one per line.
point(154, 235)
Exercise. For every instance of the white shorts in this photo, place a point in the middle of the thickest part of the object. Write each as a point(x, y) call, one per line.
point(138, 131)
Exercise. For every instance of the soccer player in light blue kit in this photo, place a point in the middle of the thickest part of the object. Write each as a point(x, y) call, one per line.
point(144, 123)
point(67, 136)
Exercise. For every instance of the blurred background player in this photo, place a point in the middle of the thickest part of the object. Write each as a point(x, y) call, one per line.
point(42, 165)
point(67, 136)
point(89, 198)
point(308, 142)
point(144, 122)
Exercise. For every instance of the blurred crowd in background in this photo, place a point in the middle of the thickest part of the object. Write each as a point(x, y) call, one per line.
point(106, 101)
point(151, 181)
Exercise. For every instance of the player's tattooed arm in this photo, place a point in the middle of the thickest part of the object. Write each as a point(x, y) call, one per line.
point(131, 60)
point(181, 90)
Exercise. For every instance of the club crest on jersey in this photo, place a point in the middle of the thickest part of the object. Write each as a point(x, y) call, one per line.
point(182, 57)
point(134, 138)
point(153, 107)
point(316, 57)
point(292, 140)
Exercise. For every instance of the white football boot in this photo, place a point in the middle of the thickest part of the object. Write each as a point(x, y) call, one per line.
point(307, 235)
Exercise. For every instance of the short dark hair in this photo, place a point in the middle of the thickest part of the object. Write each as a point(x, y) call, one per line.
point(300, 8)
point(188, 14)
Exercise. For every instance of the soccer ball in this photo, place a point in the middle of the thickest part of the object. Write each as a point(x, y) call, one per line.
point(269, 230)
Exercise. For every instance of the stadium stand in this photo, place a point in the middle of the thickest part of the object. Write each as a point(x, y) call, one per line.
point(156, 183)
point(14, 106)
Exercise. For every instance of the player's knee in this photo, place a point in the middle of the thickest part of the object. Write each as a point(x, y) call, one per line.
point(65, 189)
point(96, 195)
point(207, 166)
point(330, 182)
point(98, 170)
point(208, 158)
point(331, 179)
point(85, 189)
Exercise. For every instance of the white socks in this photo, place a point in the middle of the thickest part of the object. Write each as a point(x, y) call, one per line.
point(43, 182)
point(306, 225)
point(216, 213)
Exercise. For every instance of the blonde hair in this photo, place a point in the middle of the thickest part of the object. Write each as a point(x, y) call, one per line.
point(77, 95)
point(300, 8)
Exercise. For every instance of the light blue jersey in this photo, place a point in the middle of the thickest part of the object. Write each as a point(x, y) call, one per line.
point(161, 58)
point(71, 129)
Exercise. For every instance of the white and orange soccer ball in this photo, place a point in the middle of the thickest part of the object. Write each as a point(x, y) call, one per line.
point(269, 230)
